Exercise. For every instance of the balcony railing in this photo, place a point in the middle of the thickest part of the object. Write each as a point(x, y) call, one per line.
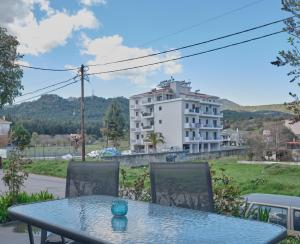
point(147, 114)
point(148, 128)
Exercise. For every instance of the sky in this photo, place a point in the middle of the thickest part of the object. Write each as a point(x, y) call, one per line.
point(64, 33)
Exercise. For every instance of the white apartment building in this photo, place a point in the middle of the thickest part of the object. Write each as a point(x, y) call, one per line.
point(187, 120)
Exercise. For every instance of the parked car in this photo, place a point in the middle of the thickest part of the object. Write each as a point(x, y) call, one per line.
point(67, 156)
point(126, 152)
point(283, 210)
point(93, 154)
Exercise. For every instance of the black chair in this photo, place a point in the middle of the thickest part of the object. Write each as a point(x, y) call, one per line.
point(92, 178)
point(183, 184)
point(89, 178)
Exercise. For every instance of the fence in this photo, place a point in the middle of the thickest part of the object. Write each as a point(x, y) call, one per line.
point(144, 159)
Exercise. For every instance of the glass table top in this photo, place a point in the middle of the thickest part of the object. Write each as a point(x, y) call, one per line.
point(91, 217)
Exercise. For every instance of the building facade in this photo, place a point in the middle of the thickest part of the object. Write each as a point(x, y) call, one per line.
point(187, 120)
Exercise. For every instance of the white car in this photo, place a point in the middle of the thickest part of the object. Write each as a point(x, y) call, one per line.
point(126, 152)
point(93, 154)
point(67, 157)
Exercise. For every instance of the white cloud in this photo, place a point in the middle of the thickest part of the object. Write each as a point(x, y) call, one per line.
point(40, 36)
point(92, 2)
point(111, 48)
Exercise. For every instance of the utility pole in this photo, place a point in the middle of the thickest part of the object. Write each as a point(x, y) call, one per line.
point(82, 130)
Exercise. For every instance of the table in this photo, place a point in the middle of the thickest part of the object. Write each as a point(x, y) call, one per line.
point(89, 220)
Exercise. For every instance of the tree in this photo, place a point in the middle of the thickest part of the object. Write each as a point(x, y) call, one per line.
point(114, 123)
point(20, 137)
point(10, 71)
point(154, 139)
point(291, 57)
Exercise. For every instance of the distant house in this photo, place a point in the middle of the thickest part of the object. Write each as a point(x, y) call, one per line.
point(295, 128)
point(4, 132)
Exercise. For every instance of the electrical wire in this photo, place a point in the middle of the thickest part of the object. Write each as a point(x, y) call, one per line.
point(190, 55)
point(46, 87)
point(195, 25)
point(193, 45)
point(47, 69)
point(56, 89)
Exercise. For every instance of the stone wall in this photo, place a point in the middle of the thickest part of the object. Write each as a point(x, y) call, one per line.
point(144, 159)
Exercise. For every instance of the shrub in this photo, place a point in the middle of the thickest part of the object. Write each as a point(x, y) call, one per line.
point(14, 176)
point(138, 191)
point(227, 196)
point(7, 200)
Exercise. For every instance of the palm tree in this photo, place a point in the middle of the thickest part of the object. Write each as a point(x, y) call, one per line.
point(154, 139)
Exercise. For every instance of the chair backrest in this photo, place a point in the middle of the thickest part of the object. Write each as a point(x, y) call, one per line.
point(92, 178)
point(185, 185)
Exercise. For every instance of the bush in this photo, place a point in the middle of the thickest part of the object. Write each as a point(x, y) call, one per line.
point(7, 200)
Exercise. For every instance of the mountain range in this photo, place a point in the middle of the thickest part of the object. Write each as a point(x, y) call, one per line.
point(52, 114)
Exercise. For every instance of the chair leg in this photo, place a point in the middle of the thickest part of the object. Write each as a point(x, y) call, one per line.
point(43, 236)
point(31, 240)
point(63, 240)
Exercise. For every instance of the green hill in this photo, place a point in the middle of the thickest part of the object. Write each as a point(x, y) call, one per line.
point(52, 114)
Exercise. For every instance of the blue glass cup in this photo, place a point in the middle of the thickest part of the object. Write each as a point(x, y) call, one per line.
point(119, 207)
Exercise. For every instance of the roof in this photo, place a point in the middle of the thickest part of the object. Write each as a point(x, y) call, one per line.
point(152, 92)
point(295, 128)
point(293, 143)
point(274, 199)
point(2, 121)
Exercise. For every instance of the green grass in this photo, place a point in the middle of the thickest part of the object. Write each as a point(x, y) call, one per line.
point(277, 179)
point(48, 167)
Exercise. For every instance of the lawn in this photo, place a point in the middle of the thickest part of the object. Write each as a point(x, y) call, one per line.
point(250, 178)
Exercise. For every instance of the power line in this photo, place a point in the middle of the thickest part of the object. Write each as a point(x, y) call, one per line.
point(46, 87)
point(190, 55)
point(58, 88)
point(204, 21)
point(195, 25)
point(193, 45)
point(46, 69)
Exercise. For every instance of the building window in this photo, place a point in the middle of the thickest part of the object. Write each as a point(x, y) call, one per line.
point(137, 125)
point(137, 137)
point(215, 135)
point(149, 99)
point(159, 98)
point(186, 134)
point(193, 106)
point(136, 113)
point(160, 121)
point(159, 108)
point(186, 105)
point(297, 220)
point(142, 136)
point(186, 119)
point(206, 122)
point(136, 101)
point(193, 120)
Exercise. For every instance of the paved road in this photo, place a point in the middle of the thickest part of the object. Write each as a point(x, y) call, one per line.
point(36, 183)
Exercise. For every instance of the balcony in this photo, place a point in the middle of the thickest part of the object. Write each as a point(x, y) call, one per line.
point(212, 114)
point(137, 141)
point(194, 111)
point(212, 139)
point(192, 139)
point(146, 102)
point(147, 115)
point(148, 128)
point(135, 106)
point(136, 130)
